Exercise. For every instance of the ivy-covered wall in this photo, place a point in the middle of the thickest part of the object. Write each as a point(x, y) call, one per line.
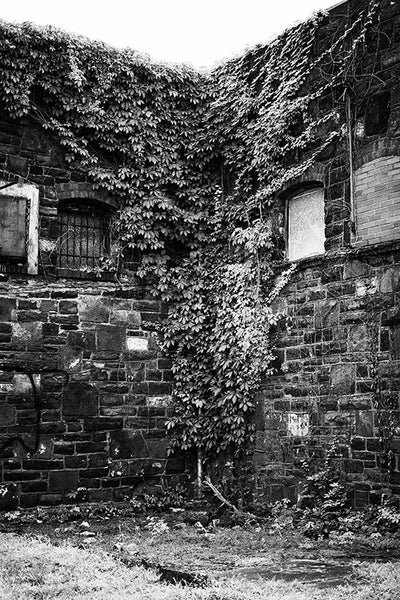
point(284, 363)
point(337, 392)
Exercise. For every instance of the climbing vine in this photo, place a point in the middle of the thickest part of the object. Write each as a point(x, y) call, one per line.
point(195, 161)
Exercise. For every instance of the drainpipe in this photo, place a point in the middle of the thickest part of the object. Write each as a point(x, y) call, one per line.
point(353, 223)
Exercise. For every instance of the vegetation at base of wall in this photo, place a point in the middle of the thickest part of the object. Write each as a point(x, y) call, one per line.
point(194, 161)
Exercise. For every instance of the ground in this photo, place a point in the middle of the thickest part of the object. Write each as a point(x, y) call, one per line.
point(107, 551)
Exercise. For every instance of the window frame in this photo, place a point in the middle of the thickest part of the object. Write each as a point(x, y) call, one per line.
point(30, 193)
point(294, 193)
point(81, 206)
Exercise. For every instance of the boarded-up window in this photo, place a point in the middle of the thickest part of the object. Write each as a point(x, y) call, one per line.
point(83, 236)
point(19, 211)
point(377, 187)
point(13, 229)
point(306, 224)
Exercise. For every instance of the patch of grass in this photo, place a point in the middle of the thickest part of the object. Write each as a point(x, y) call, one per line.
point(34, 569)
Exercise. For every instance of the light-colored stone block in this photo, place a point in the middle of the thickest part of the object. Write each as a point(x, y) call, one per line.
point(137, 344)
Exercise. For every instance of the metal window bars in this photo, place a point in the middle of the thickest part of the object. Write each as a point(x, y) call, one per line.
point(83, 237)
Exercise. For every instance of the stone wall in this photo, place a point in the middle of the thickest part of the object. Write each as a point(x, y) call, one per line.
point(338, 387)
point(84, 394)
point(84, 391)
point(340, 380)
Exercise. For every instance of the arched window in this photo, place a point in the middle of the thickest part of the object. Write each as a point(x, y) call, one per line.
point(83, 235)
point(305, 224)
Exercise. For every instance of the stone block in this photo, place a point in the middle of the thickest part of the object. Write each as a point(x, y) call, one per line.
point(326, 313)
point(68, 307)
point(93, 309)
point(118, 317)
point(365, 423)
point(99, 459)
point(63, 481)
point(342, 378)
point(298, 424)
point(103, 424)
point(9, 493)
point(22, 383)
point(7, 306)
point(158, 448)
point(138, 345)
point(389, 281)
point(358, 443)
point(355, 269)
point(358, 338)
point(31, 487)
point(111, 337)
point(18, 165)
point(80, 399)
point(75, 462)
point(71, 358)
point(134, 319)
point(7, 415)
point(135, 371)
point(81, 339)
point(128, 444)
point(27, 332)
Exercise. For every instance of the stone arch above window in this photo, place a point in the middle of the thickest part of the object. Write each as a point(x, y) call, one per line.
point(82, 190)
point(377, 200)
point(83, 236)
point(305, 223)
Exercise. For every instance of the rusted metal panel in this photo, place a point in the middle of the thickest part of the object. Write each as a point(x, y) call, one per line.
point(13, 223)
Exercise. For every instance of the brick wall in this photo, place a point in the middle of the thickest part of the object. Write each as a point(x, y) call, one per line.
point(377, 186)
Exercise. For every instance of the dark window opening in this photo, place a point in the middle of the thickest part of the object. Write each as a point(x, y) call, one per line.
point(377, 114)
point(84, 239)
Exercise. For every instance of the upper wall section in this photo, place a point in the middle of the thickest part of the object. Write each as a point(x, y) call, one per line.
point(377, 186)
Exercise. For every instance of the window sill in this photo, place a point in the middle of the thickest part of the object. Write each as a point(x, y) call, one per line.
point(87, 275)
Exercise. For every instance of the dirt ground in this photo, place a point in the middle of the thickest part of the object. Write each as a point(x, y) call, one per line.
point(178, 544)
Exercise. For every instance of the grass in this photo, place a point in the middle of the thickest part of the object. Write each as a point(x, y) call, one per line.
point(34, 568)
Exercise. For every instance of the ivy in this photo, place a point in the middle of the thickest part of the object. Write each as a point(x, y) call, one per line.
point(195, 161)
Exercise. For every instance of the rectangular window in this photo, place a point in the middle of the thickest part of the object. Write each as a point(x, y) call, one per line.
point(19, 208)
point(83, 238)
point(13, 231)
point(306, 224)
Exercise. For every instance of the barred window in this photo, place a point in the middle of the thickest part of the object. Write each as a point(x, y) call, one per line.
point(83, 236)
